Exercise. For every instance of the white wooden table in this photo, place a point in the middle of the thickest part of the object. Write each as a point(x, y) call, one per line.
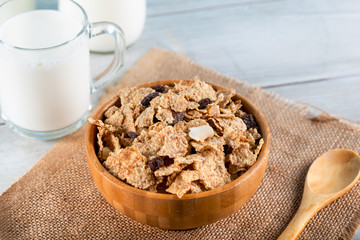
point(305, 50)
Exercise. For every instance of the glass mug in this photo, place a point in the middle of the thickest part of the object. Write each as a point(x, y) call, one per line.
point(45, 83)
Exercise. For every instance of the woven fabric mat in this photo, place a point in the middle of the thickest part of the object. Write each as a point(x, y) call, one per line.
point(57, 198)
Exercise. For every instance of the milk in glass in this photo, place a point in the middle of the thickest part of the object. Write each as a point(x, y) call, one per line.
point(44, 89)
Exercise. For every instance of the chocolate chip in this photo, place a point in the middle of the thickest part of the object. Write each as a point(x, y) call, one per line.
point(148, 98)
point(132, 135)
point(159, 88)
point(155, 163)
point(204, 102)
point(249, 120)
point(178, 117)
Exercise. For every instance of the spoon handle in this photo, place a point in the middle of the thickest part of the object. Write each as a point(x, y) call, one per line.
point(308, 208)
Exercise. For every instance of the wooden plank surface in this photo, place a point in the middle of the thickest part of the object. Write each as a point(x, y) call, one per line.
point(162, 7)
point(338, 96)
point(263, 44)
point(269, 43)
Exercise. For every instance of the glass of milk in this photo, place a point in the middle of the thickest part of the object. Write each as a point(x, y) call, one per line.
point(130, 15)
point(45, 83)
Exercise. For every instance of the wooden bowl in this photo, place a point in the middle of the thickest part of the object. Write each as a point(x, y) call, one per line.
point(167, 211)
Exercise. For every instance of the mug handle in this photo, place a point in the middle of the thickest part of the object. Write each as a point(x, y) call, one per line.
point(100, 28)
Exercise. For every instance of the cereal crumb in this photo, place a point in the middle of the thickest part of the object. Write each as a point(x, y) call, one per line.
point(128, 164)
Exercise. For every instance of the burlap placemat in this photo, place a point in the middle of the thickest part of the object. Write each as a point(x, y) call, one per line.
point(57, 199)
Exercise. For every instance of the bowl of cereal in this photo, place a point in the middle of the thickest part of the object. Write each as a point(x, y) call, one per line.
point(177, 154)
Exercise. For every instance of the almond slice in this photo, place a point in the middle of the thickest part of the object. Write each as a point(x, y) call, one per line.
point(201, 133)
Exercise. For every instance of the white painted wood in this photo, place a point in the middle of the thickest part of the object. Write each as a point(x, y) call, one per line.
point(265, 44)
point(1, 119)
point(18, 155)
point(163, 7)
point(339, 96)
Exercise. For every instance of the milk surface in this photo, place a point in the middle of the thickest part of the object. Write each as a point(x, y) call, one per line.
point(44, 90)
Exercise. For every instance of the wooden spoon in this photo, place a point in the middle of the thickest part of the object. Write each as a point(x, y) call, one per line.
point(329, 177)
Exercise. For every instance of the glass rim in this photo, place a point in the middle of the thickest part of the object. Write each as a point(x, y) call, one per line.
point(83, 29)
